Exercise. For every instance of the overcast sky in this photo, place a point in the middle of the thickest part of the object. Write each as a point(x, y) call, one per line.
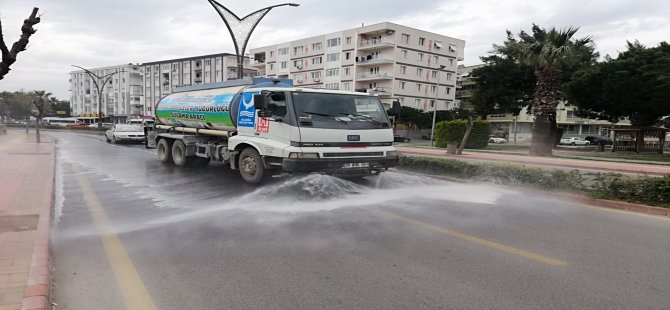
point(103, 33)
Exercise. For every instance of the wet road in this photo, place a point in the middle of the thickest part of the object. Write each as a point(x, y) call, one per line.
point(133, 233)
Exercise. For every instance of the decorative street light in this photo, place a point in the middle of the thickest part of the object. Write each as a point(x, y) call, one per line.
point(241, 28)
point(99, 87)
point(437, 91)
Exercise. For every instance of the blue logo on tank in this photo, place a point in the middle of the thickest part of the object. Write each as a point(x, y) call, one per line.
point(247, 116)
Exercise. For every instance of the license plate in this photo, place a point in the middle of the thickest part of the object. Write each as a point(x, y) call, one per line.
point(356, 165)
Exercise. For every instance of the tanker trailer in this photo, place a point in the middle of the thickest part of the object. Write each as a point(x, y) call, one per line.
point(265, 126)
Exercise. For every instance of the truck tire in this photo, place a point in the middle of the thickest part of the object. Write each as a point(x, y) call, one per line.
point(251, 166)
point(179, 157)
point(164, 151)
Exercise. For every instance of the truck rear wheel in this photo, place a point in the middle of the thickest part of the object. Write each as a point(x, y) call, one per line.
point(251, 166)
point(163, 148)
point(179, 153)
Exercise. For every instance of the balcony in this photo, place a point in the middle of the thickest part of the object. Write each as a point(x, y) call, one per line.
point(376, 43)
point(375, 61)
point(374, 76)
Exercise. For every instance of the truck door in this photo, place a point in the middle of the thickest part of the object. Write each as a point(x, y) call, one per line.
point(278, 126)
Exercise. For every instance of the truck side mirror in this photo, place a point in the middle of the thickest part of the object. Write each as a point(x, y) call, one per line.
point(260, 102)
point(396, 107)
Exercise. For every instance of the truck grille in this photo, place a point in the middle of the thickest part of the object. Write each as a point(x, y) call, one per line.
point(354, 154)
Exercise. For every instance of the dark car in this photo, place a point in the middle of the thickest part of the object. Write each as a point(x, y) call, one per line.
point(598, 140)
point(397, 138)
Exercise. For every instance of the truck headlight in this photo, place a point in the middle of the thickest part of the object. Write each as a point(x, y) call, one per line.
point(391, 153)
point(304, 155)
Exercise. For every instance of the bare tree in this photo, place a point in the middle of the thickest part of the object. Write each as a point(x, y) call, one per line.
point(37, 104)
point(9, 56)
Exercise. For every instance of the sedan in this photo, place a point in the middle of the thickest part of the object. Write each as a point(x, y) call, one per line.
point(125, 133)
point(497, 140)
point(598, 140)
point(574, 141)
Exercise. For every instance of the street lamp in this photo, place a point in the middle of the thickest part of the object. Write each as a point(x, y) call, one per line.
point(437, 91)
point(99, 87)
point(241, 28)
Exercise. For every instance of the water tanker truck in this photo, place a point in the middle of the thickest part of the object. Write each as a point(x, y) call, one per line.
point(264, 126)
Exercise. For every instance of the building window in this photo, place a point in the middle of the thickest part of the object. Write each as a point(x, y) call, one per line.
point(418, 87)
point(449, 76)
point(282, 51)
point(417, 103)
point(333, 72)
point(419, 71)
point(297, 50)
point(208, 62)
point(432, 103)
point(347, 41)
point(347, 71)
point(403, 69)
point(333, 42)
point(317, 60)
point(374, 70)
point(403, 53)
point(283, 64)
point(434, 74)
point(333, 57)
point(347, 55)
point(448, 90)
point(420, 56)
point(435, 59)
point(346, 86)
point(271, 54)
point(402, 85)
point(315, 75)
point(451, 62)
point(272, 67)
point(422, 41)
point(571, 114)
point(317, 46)
point(332, 85)
point(404, 38)
point(297, 64)
point(433, 89)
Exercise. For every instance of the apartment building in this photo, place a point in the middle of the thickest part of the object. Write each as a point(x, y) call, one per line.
point(134, 91)
point(162, 77)
point(387, 59)
point(121, 96)
point(465, 84)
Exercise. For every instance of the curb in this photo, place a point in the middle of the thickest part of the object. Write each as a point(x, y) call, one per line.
point(38, 290)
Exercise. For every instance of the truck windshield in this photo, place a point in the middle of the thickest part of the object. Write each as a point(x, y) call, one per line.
point(326, 110)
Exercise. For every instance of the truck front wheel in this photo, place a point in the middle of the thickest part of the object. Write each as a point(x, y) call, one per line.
point(179, 153)
point(251, 166)
point(163, 149)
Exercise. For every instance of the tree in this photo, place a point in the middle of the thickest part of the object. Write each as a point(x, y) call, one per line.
point(36, 104)
point(636, 85)
point(9, 56)
point(548, 52)
point(503, 85)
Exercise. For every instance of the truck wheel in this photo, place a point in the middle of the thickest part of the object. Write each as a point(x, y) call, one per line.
point(163, 149)
point(251, 166)
point(179, 153)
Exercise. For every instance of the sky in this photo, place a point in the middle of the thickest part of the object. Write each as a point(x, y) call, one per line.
point(105, 33)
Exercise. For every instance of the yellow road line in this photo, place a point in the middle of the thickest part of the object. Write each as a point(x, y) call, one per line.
point(479, 241)
point(134, 292)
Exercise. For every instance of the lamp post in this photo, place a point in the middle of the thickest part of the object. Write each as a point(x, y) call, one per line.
point(99, 87)
point(241, 28)
point(437, 92)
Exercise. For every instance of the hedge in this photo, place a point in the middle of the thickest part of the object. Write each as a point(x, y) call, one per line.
point(646, 190)
point(453, 132)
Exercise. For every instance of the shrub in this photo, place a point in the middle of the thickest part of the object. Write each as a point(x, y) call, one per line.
point(453, 132)
point(646, 190)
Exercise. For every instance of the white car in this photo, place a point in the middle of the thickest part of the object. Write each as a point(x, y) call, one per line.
point(497, 140)
point(125, 133)
point(574, 141)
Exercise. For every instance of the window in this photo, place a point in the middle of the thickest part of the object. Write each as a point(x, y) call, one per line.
point(333, 42)
point(432, 103)
point(448, 90)
point(277, 104)
point(435, 59)
point(332, 85)
point(346, 86)
point(403, 69)
point(208, 62)
point(317, 46)
point(419, 71)
point(283, 51)
point(403, 53)
point(271, 54)
point(422, 41)
point(284, 64)
point(348, 41)
point(434, 74)
point(333, 57)
point(297, 64)
point(451, 62)
point(272, 67)
point(347, 71)
point(315, 75)
point(347, 55)
point(418, 87)
point(317, 60)
point(571, 114)
point(433, 89)
point(333, 72)
point(449, 76)
point(374, 70)
point(417, 103)
point(404, 38)
point(402, 85)
point(297, 50)
point(420, 56)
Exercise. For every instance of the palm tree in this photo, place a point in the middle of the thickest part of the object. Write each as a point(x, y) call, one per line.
point(548, 52)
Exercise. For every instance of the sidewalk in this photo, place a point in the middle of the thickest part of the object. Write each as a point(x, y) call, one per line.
point(591, 164)
point(26, 196)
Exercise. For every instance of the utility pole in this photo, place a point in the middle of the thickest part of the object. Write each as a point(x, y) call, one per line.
point(241, 28)
point(99, 82)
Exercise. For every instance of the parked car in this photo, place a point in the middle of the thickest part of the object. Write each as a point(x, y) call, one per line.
point(397, 138)
point(77, 125)
point(125, 133)
point(427, 136)
point(497, 140)
point(597, 140)
point(574, 141)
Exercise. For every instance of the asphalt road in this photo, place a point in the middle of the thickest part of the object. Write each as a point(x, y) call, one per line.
point(133, 233)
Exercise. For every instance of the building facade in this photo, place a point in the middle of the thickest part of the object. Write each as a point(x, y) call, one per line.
point(135, 90)
point(393, 61)
point(465, 84)
point(121, 97)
